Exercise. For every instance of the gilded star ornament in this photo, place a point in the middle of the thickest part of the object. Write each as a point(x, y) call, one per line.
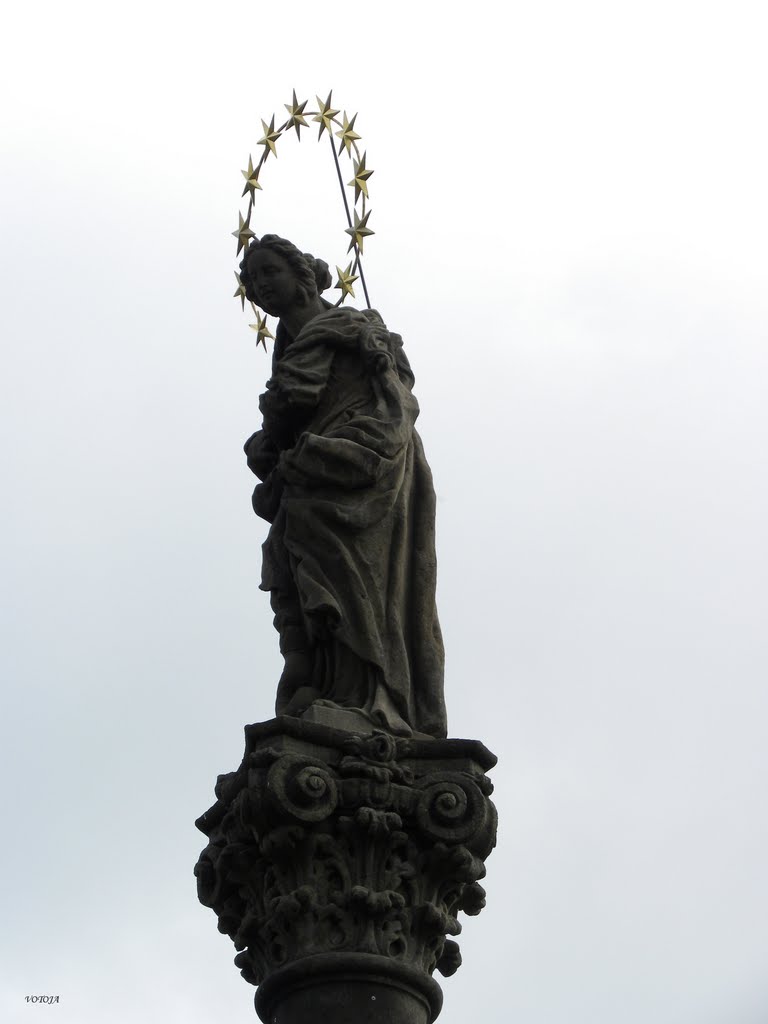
point(343, 137)
point(296, 117)
point(240, 293)
point(360, 180)
point(243, 233)
point(269, 137)
point(345, 281)
point(347, 134)
point(325, 114)
point(251, 175)
point(360, 231)
point(262, 331)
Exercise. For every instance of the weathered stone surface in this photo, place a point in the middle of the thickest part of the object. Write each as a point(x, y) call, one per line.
point(326, 846)
point(348, 988)
point(342, 850)
point(349, 559)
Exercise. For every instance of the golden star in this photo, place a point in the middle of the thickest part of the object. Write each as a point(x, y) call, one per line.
point(243, 233)
point(296, 112)
point(360, 180)
point(359, 231)
point(347, 134)
point(345, 281)
point(325, 114)
point(262, 331)
point(270, 137)
point(251, 176)
point(240, 293)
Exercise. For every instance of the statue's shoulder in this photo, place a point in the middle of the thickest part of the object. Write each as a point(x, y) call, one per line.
point(374, 317)
point(337, 326)
point(348, 316)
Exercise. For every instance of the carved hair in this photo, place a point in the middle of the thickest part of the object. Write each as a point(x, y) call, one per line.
point(312, 275)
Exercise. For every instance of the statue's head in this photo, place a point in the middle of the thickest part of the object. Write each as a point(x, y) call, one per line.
point(279, 277)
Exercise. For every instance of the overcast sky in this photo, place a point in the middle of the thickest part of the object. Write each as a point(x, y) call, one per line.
point(571, 220)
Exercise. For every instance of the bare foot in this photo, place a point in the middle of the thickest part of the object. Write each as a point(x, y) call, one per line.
point(295, 679)
point(301, 700)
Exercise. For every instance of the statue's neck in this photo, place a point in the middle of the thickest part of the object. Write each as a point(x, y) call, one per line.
point(301, 315)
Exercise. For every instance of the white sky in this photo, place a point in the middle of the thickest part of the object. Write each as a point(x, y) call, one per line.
point(571, 220)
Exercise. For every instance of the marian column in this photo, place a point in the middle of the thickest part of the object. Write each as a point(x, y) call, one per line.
point(354, 832)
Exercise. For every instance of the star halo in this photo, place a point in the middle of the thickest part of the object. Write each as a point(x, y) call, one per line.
point(357, 212)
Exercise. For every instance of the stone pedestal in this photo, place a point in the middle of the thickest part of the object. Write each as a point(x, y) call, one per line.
point(338, 861)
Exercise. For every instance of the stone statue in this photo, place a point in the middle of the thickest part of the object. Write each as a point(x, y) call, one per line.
point(349, 560)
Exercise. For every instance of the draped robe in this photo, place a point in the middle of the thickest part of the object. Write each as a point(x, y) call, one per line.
point(350, 555)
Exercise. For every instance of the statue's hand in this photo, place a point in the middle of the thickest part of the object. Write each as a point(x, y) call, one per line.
point(262, 454)
point(278, 417)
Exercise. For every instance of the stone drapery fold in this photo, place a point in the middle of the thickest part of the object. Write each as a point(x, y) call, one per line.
point(350, 555)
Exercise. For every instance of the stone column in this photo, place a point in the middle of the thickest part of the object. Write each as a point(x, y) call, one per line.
point(338, 862)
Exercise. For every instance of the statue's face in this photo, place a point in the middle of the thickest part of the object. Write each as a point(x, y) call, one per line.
point(274, 282)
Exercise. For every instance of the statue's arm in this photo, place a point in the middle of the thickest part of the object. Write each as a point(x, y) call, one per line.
point(295, 390)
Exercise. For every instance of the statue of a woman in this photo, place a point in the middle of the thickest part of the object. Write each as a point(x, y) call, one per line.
point(350, 556)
